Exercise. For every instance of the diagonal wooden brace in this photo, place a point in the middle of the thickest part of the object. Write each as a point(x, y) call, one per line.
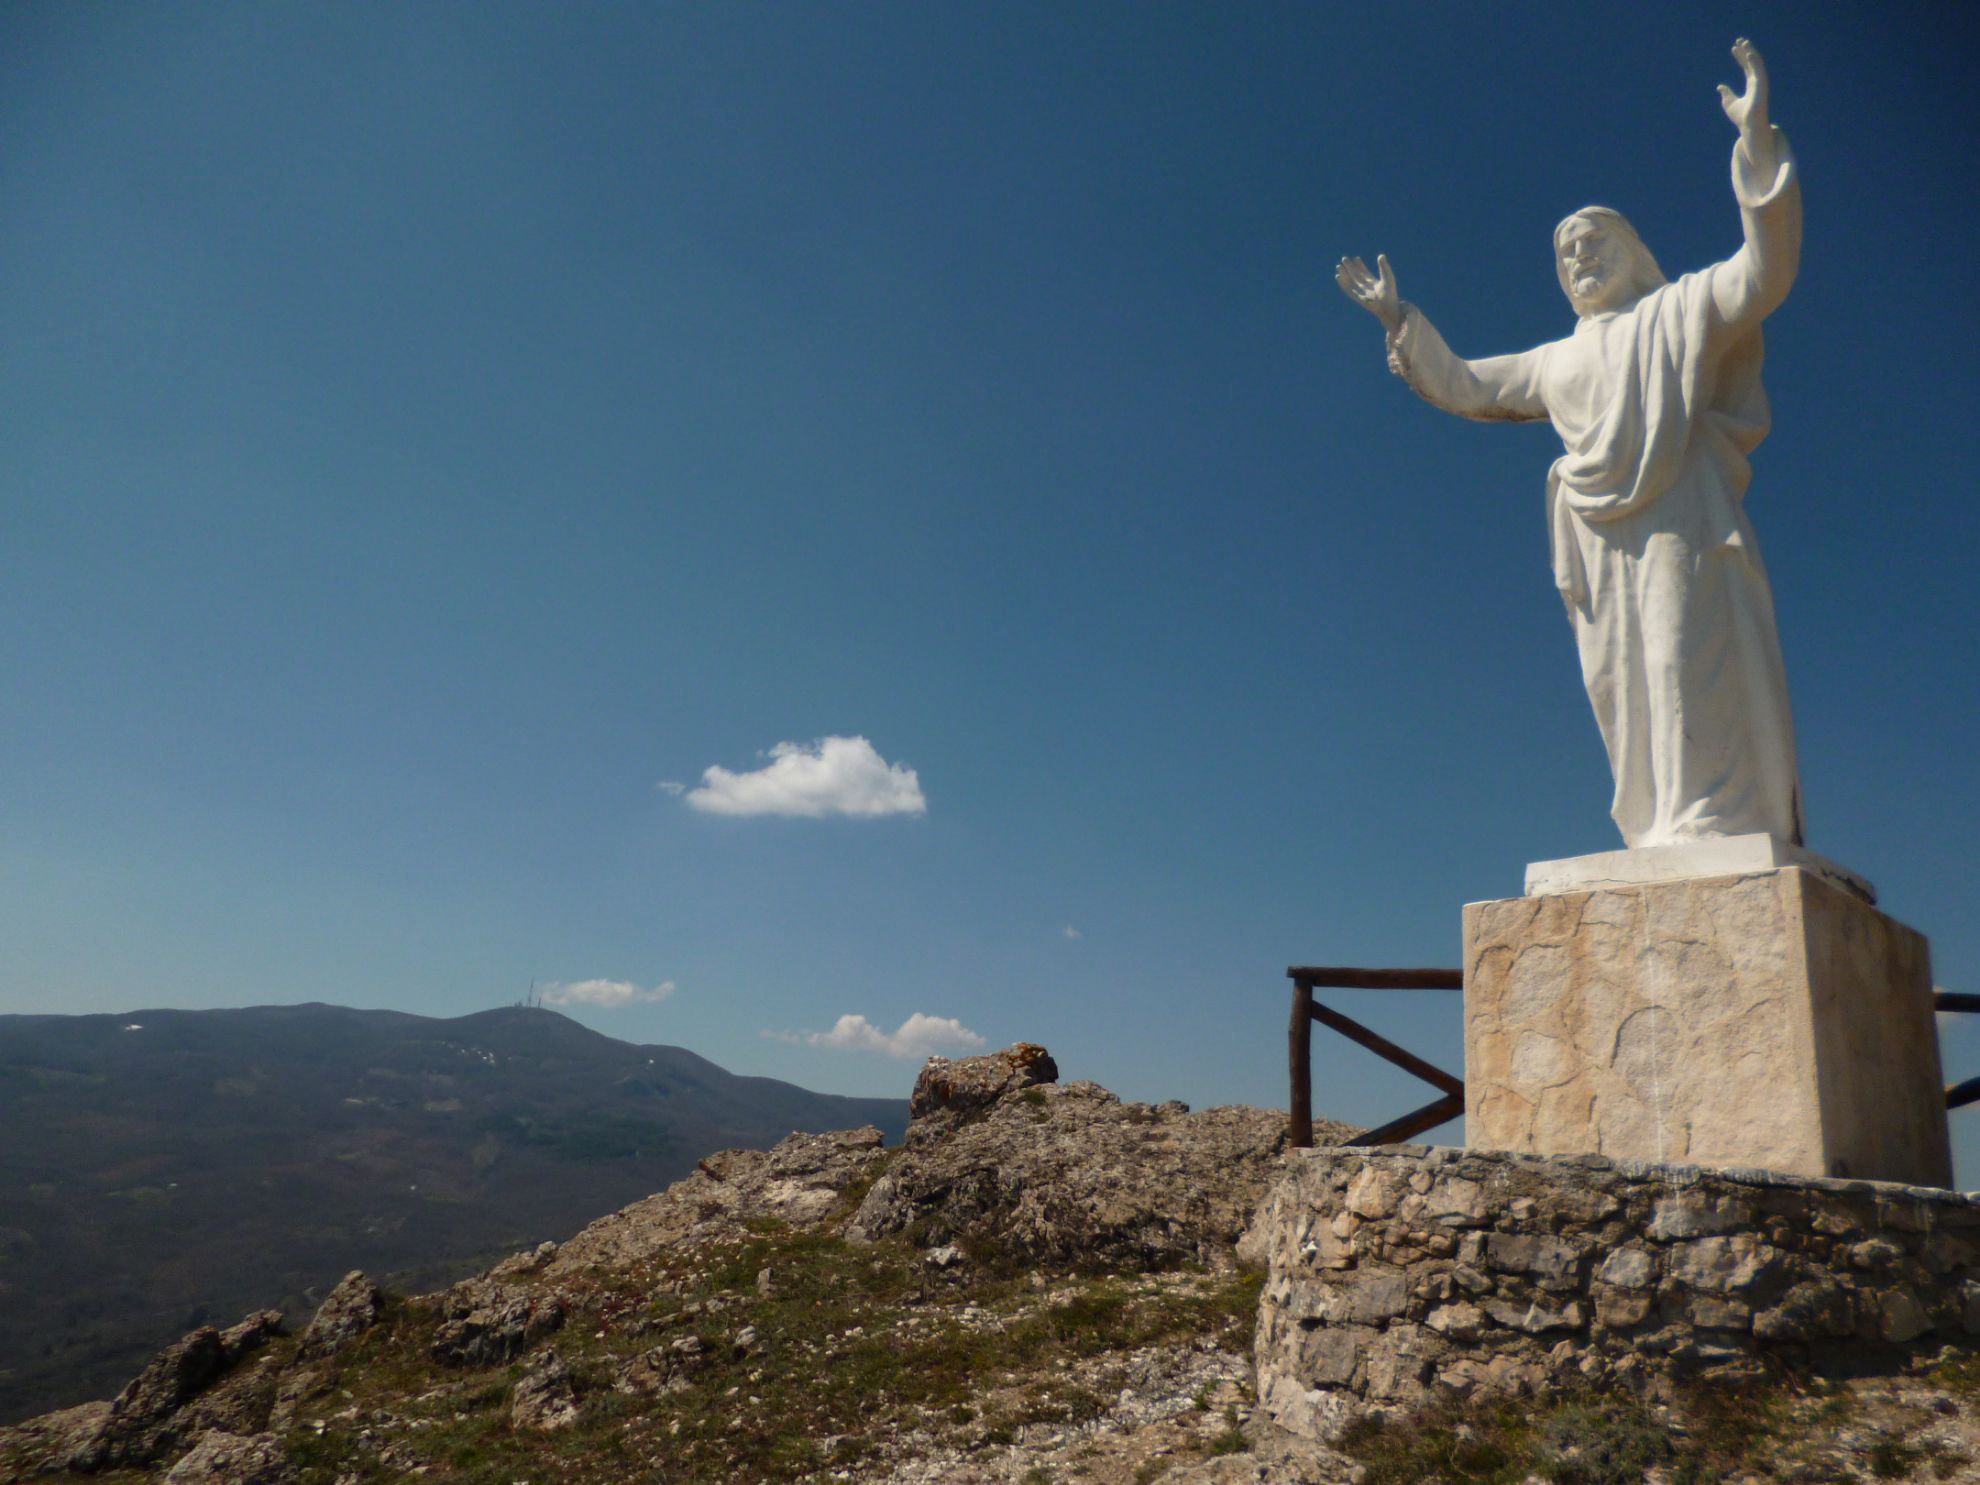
point(1300, 1034)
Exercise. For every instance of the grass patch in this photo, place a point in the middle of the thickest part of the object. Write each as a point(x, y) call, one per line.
point(1232, 1439)
point(848, 1346)
point(1894, 1459)
point(1578, 1437)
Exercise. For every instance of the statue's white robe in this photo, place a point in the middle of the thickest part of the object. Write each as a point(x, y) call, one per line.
point(1659, 406)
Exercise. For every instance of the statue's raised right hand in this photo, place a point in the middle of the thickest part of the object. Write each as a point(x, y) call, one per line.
point(1376, 295)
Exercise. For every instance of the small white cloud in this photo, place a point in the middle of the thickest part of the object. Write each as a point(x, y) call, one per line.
point(917, 1037)
point(671, 786)
point(606, 994)
point(1072, 932)
point(833, 776)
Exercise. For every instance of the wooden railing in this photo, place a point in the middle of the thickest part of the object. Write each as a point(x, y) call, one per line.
point(1958, 1095)
point(1306, 979)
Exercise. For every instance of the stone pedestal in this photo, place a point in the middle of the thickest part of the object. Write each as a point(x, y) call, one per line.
point(1770, 1020)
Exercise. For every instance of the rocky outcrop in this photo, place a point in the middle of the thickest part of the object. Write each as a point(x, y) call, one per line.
point(801, 1182)
point(544, 1398)
point(1049, 1173)
point(348, 1312)
point(149, 1417)
point(232, 1459)
point(1000, 1160)
point(485, 1322)
point(949, 1092)
point(663, 1369)
point(56, 1441)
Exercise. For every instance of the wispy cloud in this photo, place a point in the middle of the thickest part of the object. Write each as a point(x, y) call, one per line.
point(605, 994)
point(832, 776)
point(1072, 932)
point(917, 1037)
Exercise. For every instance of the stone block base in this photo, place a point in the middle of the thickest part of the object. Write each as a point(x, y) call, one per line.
point(1769, 1019)
point(1398, 1273)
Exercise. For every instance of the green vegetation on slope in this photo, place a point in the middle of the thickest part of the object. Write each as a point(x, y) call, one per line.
point(1707, 1435)
point(168, 1168)
point(839, 1351)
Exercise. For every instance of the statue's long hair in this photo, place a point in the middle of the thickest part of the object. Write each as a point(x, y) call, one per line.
point(1644, 273)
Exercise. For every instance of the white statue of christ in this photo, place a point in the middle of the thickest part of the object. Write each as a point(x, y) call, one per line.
point(1657, 398)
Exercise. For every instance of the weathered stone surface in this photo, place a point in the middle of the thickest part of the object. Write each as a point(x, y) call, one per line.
point(544, 1399)
point(486, 1323)
point(346, 1313)
point(1543, 1257)
point(146, 1420)
point(955, 1089)
point(1696, 1215)
point(1587, 1270)
point(1817, 1309)
point(233, 1459)
point(517, 1265)
point(1534, 1315)
point(1722, 1264)
point(1067, 1172)
point(663, 1369)
point(59, 1440)
point(1461, 1321)
point(199, 1385)
point(1627, 1268)
point(802, 1182)
point(1770, 1019)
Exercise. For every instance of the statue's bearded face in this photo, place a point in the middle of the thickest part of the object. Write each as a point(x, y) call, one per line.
point(1595, 267)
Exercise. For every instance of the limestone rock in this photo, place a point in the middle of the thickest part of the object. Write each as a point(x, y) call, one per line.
point(143, 1423)
point(1068, 1173)
point(59, 1440)
point(544, 1399)
point(232, 1459)
point(663, 1369)
point(348, 1312)
point(517, 1265)
point(1627, 1268)
point(237, 1340)
point(487, 1323)
point(802, 1182)
point(960, 1088)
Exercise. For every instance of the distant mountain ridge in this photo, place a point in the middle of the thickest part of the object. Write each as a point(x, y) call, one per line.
point(162, 1166)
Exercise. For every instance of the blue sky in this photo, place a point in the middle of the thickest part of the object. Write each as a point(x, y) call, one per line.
point(431, 430)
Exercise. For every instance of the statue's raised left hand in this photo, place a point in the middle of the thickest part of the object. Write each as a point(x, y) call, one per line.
point(1375, 294)
point(1748, 110)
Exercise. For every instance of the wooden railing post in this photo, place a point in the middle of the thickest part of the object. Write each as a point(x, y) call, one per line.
point(1958, 1095)
point(1300, 1047)
point(1306, 977)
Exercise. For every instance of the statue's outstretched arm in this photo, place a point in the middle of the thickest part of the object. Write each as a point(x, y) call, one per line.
point(1752, 284)
point(1499, 389)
